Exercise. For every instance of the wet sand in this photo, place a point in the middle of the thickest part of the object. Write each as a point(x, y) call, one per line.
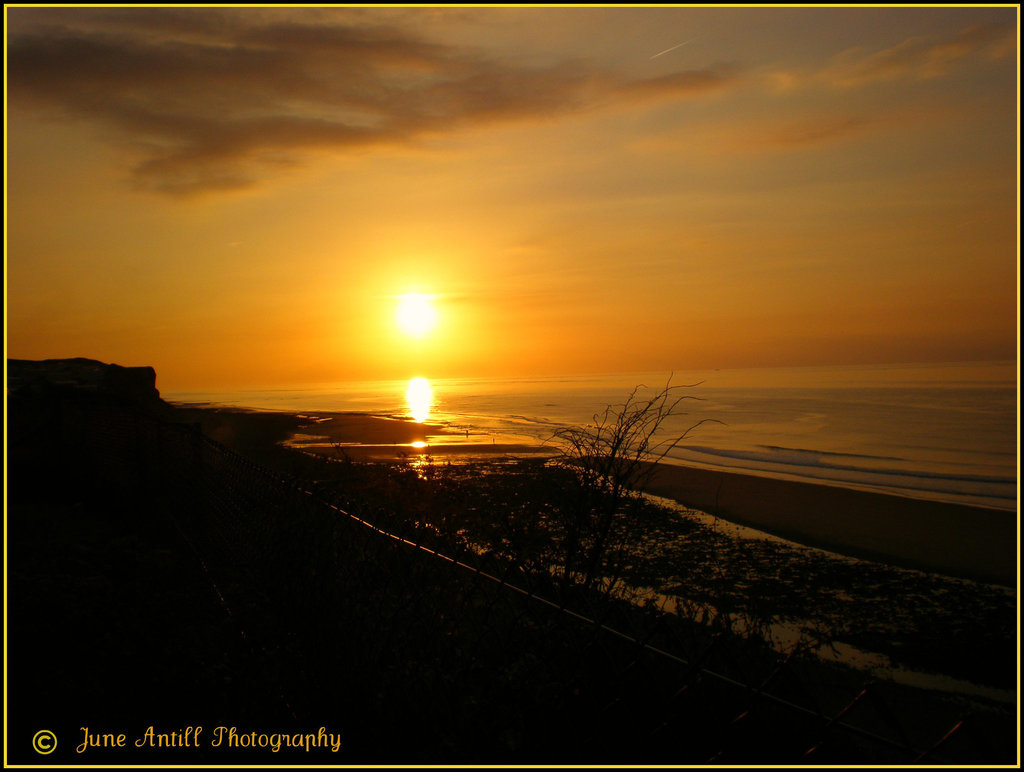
point(958, 540)
point(954, 539)
point(384, 438)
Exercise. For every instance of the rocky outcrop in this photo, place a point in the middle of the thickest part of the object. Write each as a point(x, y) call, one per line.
point(137, 384)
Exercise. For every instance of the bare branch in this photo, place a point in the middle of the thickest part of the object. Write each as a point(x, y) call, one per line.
point(611, 459)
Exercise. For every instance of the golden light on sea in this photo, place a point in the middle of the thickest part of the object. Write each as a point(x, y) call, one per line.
point(420, 398)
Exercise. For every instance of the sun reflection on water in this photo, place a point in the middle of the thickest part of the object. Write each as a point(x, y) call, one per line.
point(420, 398)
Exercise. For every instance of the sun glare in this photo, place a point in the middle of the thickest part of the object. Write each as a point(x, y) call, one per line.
point(416, 314)
point(420, 398)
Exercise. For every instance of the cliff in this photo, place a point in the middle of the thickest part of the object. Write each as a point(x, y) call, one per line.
point(137, 384)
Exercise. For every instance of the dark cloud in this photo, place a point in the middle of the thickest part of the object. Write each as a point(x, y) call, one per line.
point(214, 98)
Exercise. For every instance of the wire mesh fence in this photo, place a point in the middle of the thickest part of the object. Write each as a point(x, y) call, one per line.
point(426, 655)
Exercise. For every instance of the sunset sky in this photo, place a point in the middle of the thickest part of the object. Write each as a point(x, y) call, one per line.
point(240, 197)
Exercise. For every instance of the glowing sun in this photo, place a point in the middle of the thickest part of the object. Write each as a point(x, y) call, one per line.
point(416, 314)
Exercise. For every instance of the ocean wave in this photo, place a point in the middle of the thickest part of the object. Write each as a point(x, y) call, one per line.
point(811, 460)
point(830, 453)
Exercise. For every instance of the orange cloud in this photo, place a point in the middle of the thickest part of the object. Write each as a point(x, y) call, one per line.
point(919, 57)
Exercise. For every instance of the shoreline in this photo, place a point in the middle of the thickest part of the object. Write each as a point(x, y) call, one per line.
point(953, 539)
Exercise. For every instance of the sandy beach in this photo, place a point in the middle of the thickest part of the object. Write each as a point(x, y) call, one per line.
point(953, 539)
point(957, 540)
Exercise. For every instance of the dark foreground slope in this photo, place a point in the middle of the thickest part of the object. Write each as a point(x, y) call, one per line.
point(155, 579)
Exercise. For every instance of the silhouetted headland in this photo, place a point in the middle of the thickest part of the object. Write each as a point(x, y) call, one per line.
point(137, 384)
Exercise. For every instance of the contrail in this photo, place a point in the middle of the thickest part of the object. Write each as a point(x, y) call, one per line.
point(673, 48)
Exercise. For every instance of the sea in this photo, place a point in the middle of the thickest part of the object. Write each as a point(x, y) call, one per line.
point(944, 432)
